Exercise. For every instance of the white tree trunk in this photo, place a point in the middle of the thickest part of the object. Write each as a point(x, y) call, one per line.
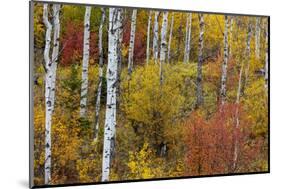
point(225, 61)
point(239, 91)
point(187, 38)
point(132, 42)
point(48, 109)
point(170, 38)
point(163, 50)
point(119, 51)
point(257, 37)
point(155, 37)
point(236, 143)
point(50, 81)
point(199, 89)
point(247, 55)
point(111, 75)
point(231, 20)
point(266, 55)
point(148, 38)
point(55, 53)
point(97, 109)
point(86, 54)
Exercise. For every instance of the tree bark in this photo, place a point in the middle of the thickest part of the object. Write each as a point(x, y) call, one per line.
point(48, 110)
point(163, 50)
point(97, 109)
point(266, 55)
point(257, 37)
point(148, 38)
point(50, 81)
point(187, 38)
point(155, 37)
point(239, 92)
point(225, 61)
point(119, 51)
point(86, 54)
point(230, 36)
point(111, 75)
point(236, 143)
point(55, 53)
point(132, 42)
point(247, 55)
point(199, 90)
point(170, 38)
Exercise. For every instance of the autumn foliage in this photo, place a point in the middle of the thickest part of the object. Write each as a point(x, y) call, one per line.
point(211, 142)
point(72, 44)
point(160, 130)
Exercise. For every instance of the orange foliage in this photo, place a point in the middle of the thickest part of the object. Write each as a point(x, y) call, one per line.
point(210, 143)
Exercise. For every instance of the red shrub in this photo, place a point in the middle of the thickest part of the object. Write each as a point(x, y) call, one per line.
point(72, 44)
point(140, 43)
point(210, 143)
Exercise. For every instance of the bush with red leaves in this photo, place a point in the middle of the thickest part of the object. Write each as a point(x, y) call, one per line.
point(72, 44)
point(140, 43)
point(210, 143)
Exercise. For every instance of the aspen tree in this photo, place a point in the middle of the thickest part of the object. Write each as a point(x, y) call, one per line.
point(85, 64)
point(266, 56)
point(132, 42)
point(97, 109)
point(155, 37)
point(239, 92)
point(170, 38)
point(50, 80)
point(199, 90)
point(148, 37)
point(257, 37)
point(187, 38)
point(225, 61)
point(111, 77)
point(163, 50)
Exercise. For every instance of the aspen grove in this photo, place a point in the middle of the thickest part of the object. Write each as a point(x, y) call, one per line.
point(129, 93)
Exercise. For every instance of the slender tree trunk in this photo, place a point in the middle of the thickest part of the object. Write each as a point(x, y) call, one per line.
point(230, 37)
point(170, 37)
point(48, 102)
point(86, 54)
point(55, 53)
point(266, 55)
point(111, 75)
point(163, 51)
point(199, 90)
point(180, 36)
point(148, 38)
point(236, 142)
point(248, 52)
point(257, 37)
point(97, 109)
point(187, 38)
point(50, 80)
point(239, 92)
point(225, 61)
point(119, 51)
point(155, 37)
point(132, 42)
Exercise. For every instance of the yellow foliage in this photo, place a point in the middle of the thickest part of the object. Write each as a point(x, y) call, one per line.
point(142, 166)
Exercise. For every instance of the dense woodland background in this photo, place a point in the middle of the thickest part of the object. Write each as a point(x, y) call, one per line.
point(163, 127)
